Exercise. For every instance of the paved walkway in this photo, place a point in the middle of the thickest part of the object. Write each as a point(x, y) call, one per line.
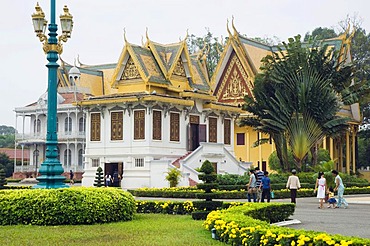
point(354, 221)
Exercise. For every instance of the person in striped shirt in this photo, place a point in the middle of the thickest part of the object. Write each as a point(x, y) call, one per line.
point(259, 175)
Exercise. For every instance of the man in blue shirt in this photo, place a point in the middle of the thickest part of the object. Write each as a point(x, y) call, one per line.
point(266, 187)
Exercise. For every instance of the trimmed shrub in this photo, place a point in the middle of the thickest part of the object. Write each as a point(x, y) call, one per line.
point(234, 194)
point(99, 179)
point(68, 206)
point(208, 177)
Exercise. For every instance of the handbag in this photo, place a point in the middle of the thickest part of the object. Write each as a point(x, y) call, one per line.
point(252, 190)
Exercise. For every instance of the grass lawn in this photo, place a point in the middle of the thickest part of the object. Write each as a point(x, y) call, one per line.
point(145, 229)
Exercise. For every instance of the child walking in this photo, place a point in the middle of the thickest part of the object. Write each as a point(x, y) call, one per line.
point(332, 201)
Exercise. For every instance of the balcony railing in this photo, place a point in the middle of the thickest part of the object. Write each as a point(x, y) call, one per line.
point(41, 136)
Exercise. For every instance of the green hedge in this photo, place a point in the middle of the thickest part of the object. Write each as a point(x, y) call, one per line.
point(234, 194)
point(241, 226)
point(69, 206)
point(173, 207)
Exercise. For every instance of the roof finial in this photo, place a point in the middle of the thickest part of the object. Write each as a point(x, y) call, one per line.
point(142, 41)
point(227, 27)
point(146, 34)
point(222, 40)
point(349, 26)
point(232, 24)
point(187, 34)
point(78, 60)
point(124, 34)
point(74, 62)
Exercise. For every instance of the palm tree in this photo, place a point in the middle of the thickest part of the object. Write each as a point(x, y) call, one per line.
point(297, 98)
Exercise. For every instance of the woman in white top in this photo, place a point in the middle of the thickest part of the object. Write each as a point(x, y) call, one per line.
point(252, 186)
point(321, 188)
point(293, 185)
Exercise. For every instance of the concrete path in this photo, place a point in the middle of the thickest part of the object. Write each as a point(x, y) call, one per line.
point(354, 221)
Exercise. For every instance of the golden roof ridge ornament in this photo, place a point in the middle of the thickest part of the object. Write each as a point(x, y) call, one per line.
point(227, 27)
point(146, 34)
point(232, 24)
point(124, 35)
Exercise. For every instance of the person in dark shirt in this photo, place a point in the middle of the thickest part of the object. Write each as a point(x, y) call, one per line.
point(266, 187)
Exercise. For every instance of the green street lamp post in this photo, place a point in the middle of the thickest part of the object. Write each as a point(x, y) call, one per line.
point(51, 169)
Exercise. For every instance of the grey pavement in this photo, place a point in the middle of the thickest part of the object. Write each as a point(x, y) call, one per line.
point(353, 221)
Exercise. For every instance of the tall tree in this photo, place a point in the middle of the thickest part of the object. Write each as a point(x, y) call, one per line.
point(4, 130)
point(296, 98)
point(206, 44)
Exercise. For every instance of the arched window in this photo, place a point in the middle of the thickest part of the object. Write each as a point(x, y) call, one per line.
point(68, 125)
point(81, 124)
point(37, 126)
point(36, 157)
point(80, 158)
point(67, 157)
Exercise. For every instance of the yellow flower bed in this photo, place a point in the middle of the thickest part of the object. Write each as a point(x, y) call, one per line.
point(235, 227)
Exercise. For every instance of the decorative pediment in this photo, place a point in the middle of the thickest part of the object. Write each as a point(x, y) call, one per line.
point(174, 109)
point(139, 106)
point(116, 108)
point(234, 83)
point(130, 71)
point(179, 68)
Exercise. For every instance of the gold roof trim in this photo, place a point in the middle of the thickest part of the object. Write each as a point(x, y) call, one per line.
point(222, 107)
point(198, 95)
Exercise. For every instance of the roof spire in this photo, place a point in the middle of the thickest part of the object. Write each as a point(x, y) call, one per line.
point(146, 34)
point(187, 34)
point(232, 24)
point(142, 41)
point(124, 35)
point(227, 27)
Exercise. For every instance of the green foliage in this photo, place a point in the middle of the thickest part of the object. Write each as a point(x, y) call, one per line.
point(207, 167)
point(296, 98)
point(320, 33)
point(6, 164)
point(232, 179)
point(7, 141)
point(173, 176)
point(206, 44)
point(70, 206)
point(99, 179)
point(208, 177)
point(2, 179)
point(7, 130)
point(354, 188)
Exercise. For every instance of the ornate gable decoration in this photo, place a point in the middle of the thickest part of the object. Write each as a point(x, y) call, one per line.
point(179, 68)
point(130, 71)
point(234, 83)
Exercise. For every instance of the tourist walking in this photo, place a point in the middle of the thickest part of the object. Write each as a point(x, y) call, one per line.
point(259, 175)
point(252, 186)
point(321, 188)
point(293, 185)
point(71, 176)
point(266, 187)
point(340, 188)
point(108, 180)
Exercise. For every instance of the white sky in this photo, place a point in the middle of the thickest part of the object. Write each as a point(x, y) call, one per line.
point(98, 31)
